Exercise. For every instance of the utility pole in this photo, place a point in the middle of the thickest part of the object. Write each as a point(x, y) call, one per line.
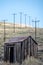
point(14, 22)
point(29, 20)
point(25, 19)
point(29, 23)
point(35, 26)
point(20, 19)
point(4, 30)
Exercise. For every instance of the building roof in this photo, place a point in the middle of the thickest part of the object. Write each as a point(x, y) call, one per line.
point(16, 39)
point(19, 39)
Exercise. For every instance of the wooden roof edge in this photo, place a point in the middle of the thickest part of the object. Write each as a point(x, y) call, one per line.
point(33, 40)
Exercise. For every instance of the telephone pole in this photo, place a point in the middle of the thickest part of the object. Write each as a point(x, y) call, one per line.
point(4, 30)
point(14, 22)
point(35, 26)
point(25, 19)
point(29, 20)
point(20, 19)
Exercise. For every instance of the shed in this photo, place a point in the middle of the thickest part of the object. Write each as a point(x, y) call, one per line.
point(15, 49)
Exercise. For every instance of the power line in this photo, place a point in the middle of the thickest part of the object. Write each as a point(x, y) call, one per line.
point(29, 20)
point(25, 19)
point(4, 30)
point(14, 22)
point(20, 19)
point(35, 26)
point(29, 23)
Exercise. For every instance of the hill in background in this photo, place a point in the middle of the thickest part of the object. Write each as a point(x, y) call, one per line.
point(13, 31)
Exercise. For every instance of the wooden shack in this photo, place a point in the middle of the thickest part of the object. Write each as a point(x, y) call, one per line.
point(14, 49)
point(33, 47)
point(17, 49)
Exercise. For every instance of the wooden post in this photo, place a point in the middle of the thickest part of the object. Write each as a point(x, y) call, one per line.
point(33, 48)
point(27, 46)
point(21, 54)
point(5, 54)
point(37, 51)
point(15, 53)
point(30, 47)
point(24, 50)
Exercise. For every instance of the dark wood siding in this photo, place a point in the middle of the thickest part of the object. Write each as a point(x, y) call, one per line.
point(18, 51)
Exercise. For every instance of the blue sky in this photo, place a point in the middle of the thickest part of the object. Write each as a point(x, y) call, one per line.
point(33, 8)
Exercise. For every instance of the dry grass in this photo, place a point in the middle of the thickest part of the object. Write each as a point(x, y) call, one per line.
point(28, 61)
point(20, 32)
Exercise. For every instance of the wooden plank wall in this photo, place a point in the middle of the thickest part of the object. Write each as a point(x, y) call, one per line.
point(21, 50)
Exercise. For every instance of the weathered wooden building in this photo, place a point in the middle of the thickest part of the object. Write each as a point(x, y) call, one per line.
point(17, 49)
